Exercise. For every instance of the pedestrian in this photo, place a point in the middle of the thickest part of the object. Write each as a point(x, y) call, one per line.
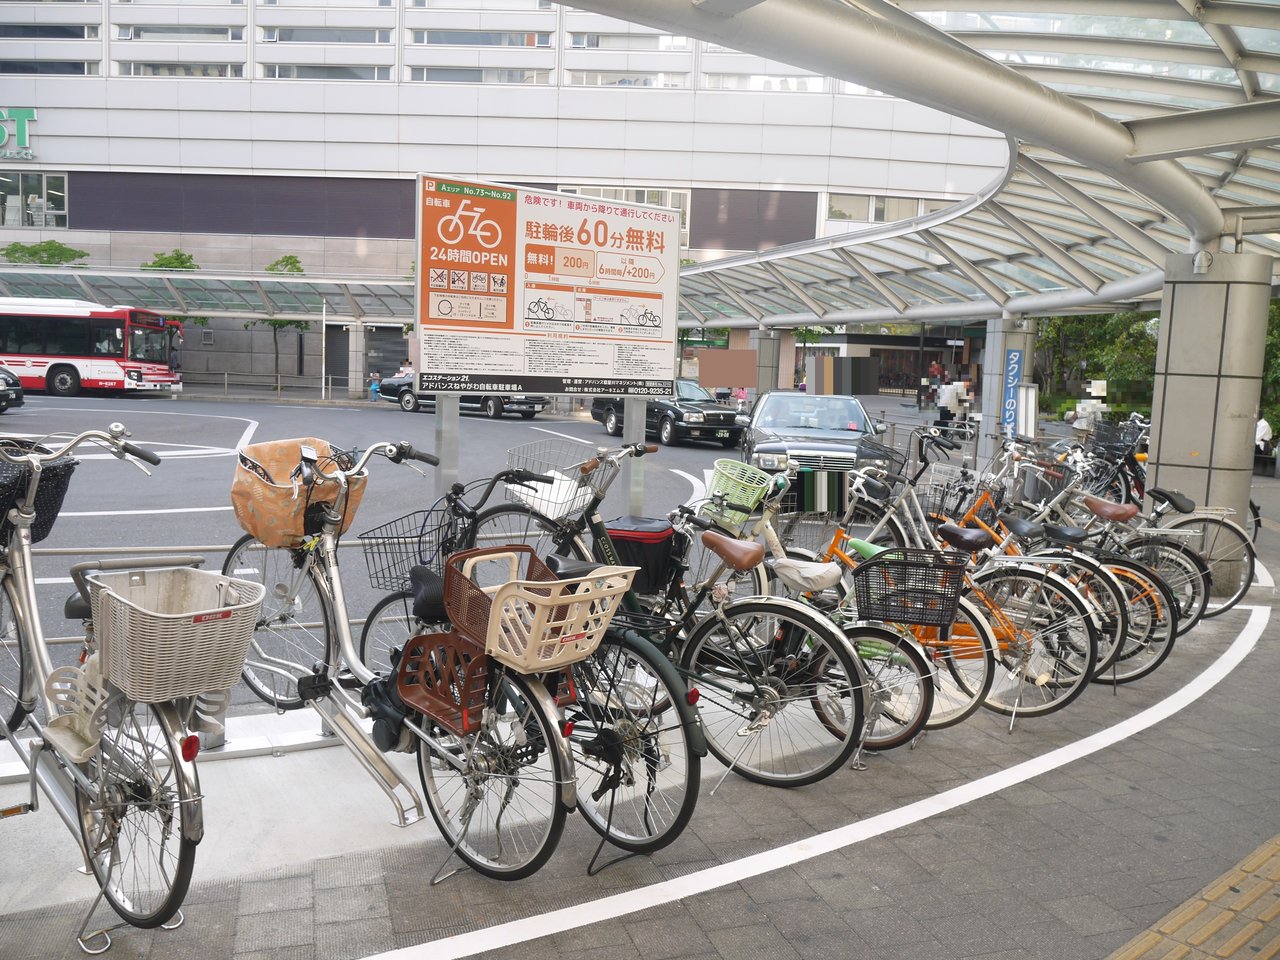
point(1263, 436)
point(741, 395)
point(406, 369)
point(375, 379)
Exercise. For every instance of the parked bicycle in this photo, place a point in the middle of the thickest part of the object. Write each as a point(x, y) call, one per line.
point(107, 738)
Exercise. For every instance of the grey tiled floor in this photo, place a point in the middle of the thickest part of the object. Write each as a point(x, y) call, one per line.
point(1071, 864)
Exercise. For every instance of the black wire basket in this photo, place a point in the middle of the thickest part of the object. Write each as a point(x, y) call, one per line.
point(910, 586)
point(873, 453)
point(55, 477)
point(423, 538)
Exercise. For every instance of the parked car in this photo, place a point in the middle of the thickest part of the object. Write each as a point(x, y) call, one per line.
point(10, 390)
point(400, 389)
point(806, 431)
point(691, 414)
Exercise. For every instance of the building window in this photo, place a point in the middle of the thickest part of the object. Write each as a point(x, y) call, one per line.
point(325, 35)
point(849, 206)
point(307, 71)
point(627, 41)
point(795, 83)
point(33, 199)
point(134, 68)
point(483, 4)
point(46, 31)
point(481, 38)
point(73, 68)
point(147, 31)
point(608, 78)
point(479, 75)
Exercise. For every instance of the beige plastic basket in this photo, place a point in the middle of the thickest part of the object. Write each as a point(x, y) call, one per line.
point(176, 632)
point(536, 626)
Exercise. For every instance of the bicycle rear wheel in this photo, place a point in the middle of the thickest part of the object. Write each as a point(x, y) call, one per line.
point(389, 626)
point(899, 691)
point(638, 771)
point(135, 824)
point(1228, 551)
point(294, 630)
point(495, 795)
point(1047, 639)
point(781, 695)
point(1152, 620)
point(1181, 569)
point(13, 662)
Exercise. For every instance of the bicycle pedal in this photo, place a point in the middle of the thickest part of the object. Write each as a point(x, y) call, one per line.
point(314, 687)
point(15, 811)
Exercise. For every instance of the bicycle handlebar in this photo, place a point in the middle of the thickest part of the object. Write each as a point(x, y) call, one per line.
point(113, 437)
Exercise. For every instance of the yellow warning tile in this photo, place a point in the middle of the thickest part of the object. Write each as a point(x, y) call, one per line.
point(1269, 952)
point(1269, 914)
point(1260, 856)
point(1240, 939)
point(1177, 953)
point(1137, 947)
point(1249, 894)
point(1219, 887)
point(1183, 916)
point(1210, 927)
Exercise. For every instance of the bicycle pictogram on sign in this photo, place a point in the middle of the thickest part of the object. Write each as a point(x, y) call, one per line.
point(452, 229)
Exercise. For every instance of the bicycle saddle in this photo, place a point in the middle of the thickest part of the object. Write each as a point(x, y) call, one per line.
point(968, 539)
point(1179, 501)
point(428, 595)
point(739, 554)
point(1022, 527)
point(1071, 535)
point(566, 568)
point(1107, 510)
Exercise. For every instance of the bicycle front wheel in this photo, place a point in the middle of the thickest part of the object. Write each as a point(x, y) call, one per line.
point(964, 664)
point(781, 695)
point(1047, 639)
point(294, 630)
point(638, 773)
point(495, 793)
point(1152, 622)
point(1182, 570)
point(389, 626)
point(517, 523)
point(1228, 551)
point(13, 662)
point(133, 821)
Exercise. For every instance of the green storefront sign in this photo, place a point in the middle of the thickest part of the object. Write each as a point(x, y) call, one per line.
point(15, 133)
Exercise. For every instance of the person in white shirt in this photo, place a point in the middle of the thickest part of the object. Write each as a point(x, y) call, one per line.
point(1263, 436)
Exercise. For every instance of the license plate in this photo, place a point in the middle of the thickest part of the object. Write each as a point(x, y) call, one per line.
point(723, 434)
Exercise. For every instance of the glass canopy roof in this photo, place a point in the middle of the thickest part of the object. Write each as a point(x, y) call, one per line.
point(1144, 128)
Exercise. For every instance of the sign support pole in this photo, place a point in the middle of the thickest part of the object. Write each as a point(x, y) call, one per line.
point(633, 414)
point(448, 429)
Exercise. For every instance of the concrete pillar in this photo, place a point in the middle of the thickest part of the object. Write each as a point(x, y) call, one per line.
point(1005, 333)
point(767, 372)
point(356, 385)
point(1209, 376)
point(741, 339)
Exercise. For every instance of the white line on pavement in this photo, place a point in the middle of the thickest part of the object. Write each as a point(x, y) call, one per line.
point(642, 898)
point(138, 513)
point(565, 435)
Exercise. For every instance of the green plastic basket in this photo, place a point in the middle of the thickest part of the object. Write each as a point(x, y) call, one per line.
point(742, 486)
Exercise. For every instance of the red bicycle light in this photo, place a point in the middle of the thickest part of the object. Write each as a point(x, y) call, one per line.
point(567, 729)
point(693, 696)
point(190, 747)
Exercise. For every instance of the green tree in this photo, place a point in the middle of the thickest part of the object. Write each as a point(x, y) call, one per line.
point(288, 263)
point(1270, 403)
point(46, 252)
point(805, 338)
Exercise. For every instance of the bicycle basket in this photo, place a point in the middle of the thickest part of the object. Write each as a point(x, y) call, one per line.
point(570, 491)
point(741, 485)
point(279, 511)
point(533, 622)
point(422, 538)
point(55, 477)
point(174, 632)
point(910, 586)
point(873, 453)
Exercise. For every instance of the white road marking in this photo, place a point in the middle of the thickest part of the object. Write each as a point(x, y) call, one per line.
point(669, 891)
point(139, 513)
point(699, 486)
point(191, 451)
point(565, 435)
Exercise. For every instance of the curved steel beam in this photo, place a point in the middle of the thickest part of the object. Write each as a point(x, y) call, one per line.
point(918, 63)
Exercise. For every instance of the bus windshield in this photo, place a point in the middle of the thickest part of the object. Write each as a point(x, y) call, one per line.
point(148, 345)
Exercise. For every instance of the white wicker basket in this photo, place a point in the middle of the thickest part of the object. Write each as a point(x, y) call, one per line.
point(535, 626)
point(175, 632)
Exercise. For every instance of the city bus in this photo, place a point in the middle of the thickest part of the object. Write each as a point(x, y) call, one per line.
point(65, 346)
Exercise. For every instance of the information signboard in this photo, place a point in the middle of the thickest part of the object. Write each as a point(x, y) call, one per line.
point(1009, 399)
point(528, 291)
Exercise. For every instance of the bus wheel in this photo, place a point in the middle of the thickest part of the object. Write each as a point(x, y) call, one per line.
point(62, 382)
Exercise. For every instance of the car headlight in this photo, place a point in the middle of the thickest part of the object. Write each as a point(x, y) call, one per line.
point(10, 379)
point(770, 461)
point(693, 418)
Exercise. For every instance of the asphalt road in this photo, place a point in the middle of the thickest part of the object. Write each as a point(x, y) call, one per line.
point(186, 502)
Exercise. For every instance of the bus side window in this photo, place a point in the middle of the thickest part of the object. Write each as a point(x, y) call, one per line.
point(28, 335)
point(6, 335)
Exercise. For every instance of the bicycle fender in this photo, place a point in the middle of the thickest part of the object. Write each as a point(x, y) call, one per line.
point(568, 789)
point(192, 813)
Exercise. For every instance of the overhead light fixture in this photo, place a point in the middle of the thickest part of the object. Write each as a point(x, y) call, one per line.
point(1201, 262)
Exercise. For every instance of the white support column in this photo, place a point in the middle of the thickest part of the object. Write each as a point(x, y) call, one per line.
point(1209, 376)
point(1009, 332)
point(356, 385)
